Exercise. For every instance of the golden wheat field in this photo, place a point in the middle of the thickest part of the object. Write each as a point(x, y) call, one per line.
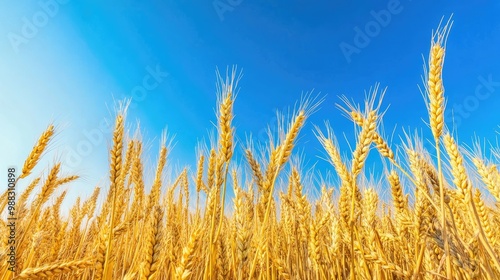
point(442, 228)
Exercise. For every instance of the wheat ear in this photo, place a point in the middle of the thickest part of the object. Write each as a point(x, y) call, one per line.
point(53, 270)
point(37, 151)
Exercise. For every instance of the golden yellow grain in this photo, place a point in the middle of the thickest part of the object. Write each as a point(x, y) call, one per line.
point(256, 171)
point(153, 244)
point(397, 193)
point(66, 180)
point(489, 176)
point(49, 186)
point(37, 151)
point(436, 90)
point(186, 265)
point(458, 169)
point(285, 149)
point(89, 206)
point(156, 188)
point(370, 206)
point(434, 85)
point(483, 215)
point(380, 143)
point(363, 145)
point(199, 176)
point(211, 169)
point(330, 144)
point(53, 270)
point(99, 256)
point(226, 97)
point(243, 221)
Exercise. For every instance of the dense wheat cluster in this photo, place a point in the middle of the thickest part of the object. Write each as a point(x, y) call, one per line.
point(439, 223)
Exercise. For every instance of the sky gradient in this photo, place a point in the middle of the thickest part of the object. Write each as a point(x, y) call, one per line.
point(70, 62)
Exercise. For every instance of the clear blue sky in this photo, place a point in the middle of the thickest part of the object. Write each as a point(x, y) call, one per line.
point(73, 58)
